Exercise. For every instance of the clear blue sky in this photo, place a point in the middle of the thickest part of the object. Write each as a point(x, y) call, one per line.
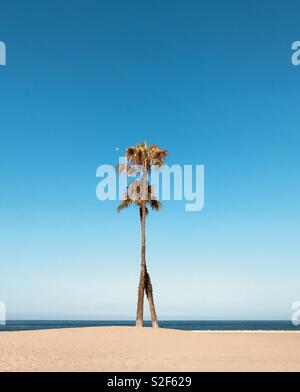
point(212, 82)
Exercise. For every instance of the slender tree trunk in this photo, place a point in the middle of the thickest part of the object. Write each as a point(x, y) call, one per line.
point(145, 281)
point(140, 304)
point(141, 290)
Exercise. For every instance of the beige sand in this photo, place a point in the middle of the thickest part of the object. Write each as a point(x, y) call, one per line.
point(131, 349)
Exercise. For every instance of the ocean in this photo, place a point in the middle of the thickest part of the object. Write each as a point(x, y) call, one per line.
point(183, 325)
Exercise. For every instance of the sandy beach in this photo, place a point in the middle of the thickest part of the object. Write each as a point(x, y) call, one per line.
point(132, 349)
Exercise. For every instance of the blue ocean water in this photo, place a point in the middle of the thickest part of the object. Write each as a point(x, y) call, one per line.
point(183, 325)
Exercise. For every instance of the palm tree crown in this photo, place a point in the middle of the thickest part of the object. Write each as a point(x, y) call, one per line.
point(141, 158)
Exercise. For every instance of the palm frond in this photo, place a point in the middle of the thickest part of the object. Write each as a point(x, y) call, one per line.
point(130, 151)
point(155, 204)
point(139, 157)
point(156, 155)
point(124, 204)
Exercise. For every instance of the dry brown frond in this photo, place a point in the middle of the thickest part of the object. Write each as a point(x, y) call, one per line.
point(130, 151)
point(155, 204)
point(156, 155)
point(125, 203)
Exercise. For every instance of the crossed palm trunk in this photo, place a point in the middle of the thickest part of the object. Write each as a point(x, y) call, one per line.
point(145, 285)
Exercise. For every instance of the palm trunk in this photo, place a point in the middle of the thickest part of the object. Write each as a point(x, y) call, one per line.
point(145, 282)
point(140, 304)
point(141, 291)
point(149, 292)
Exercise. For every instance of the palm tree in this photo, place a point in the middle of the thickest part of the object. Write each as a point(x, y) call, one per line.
point(140, 193)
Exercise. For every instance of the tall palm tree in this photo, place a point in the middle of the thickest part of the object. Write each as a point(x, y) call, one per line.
point(140, 193)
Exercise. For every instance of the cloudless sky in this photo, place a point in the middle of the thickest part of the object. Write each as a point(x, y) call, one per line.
point(211, 81)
